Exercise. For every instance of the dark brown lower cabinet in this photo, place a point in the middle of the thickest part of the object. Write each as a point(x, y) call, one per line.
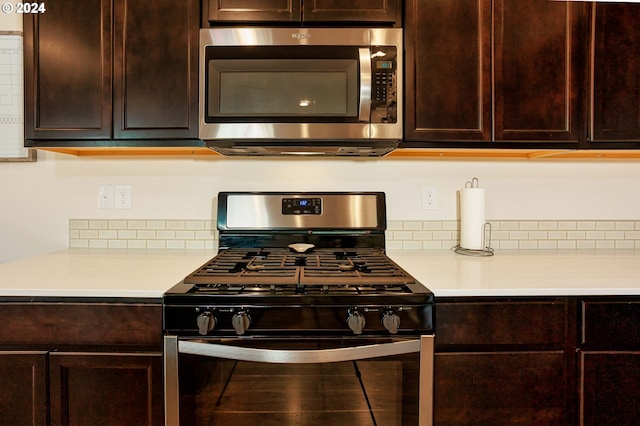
point(116, 389)
point(610, 388)
point(23, 388)
point(609, 365)
point(81, 362)
point(507, 388)
point(504, 361)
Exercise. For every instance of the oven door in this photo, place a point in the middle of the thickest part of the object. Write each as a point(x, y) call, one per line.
point(294, 381)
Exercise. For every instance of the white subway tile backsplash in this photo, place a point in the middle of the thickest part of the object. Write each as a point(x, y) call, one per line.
point(175, 224)
point(548, 225)
point(605, 225)
point(412, 226)
point(623, 225)
point(528, 244)
point(567, 225)
point(625, 244)
point(528, 225)
point(432, 226)
point(394, 225)
point(450, 225)
point(136, 224)
point(590, 224)
point(194, 225)
point(411, 234)
point(594, 235)
point(538, 235)
point(402, 235)
point(614, 235)
point(567, 245)
point(78, 224)
point(117, 224)
point(166, 235)
point(156, 224)
point(549, 244)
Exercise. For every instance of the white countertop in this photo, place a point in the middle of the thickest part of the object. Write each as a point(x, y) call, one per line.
point(149, 273)
point(100, 272)
point(525, 272)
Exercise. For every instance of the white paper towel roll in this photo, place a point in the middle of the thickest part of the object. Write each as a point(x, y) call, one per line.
point(472, 218)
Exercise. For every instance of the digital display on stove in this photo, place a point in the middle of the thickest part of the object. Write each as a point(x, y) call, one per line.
point(297, 206)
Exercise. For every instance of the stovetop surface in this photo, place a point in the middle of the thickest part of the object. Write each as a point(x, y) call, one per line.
point(279, 266)
point(327, 275)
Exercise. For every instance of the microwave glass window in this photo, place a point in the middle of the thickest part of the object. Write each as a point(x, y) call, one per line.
point(283, 88)
point(283, 93)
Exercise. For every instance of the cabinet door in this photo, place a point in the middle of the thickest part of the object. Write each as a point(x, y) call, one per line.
point(68, 65)
point(538, 70)
point(252, 10)
point(23, 388)
point(501, 388)
point(609, 388)
point(448, 70)
point(379, 11)
point(616, 73)
point(156, 69)
point(116, 389)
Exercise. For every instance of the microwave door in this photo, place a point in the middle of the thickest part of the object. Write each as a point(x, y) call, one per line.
point(365, 85)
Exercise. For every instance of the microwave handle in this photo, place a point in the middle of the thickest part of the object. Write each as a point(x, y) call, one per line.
point(277, 356)
point(366, 83)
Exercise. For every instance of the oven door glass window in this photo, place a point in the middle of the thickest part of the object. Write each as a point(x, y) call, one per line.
point(291, 86)
point(372, 391)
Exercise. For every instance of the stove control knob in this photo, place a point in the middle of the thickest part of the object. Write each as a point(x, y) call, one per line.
point(206, 322)
point(241, 322)
point(391, 321)
point(356, 322)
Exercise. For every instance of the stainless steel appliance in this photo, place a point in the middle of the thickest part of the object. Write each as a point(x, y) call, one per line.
point(300, 319)
point(323, 91)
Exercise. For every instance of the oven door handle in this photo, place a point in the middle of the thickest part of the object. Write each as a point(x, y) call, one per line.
point(277, 356)
point(366, 82)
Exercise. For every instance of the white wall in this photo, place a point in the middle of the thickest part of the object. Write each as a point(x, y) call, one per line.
point(38, 199)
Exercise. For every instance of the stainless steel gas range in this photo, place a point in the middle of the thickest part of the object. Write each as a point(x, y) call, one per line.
point(301, 318)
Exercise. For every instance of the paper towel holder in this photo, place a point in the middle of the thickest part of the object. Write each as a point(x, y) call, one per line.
point(486, 244)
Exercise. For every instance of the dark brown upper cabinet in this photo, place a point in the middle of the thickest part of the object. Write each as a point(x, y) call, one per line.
point(494, 71)
point(616, 73)
point(448, 70)
point(382, 12)
point(127, 70)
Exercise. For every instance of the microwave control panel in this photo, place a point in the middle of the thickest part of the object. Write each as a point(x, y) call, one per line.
point(384, 94)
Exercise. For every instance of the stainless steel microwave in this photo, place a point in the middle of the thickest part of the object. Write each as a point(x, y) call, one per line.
point(276, 91)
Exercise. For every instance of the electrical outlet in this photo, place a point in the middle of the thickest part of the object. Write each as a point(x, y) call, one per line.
point(429, 198)
point(105, 197)
point(123, 196)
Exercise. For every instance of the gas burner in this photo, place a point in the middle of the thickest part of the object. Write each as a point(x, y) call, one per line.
point(280, 267)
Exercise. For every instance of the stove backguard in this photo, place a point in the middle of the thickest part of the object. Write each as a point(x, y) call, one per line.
point(325, 219)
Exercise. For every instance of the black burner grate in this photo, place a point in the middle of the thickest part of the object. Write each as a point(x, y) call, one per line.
point(341, 270)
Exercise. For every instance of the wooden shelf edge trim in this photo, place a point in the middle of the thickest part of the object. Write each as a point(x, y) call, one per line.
point(402, 153)
point(507, 154)
point(119, 151)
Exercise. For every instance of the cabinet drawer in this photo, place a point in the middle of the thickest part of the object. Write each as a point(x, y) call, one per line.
point(501, 323)
point(608, 324)
point(51, 325)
